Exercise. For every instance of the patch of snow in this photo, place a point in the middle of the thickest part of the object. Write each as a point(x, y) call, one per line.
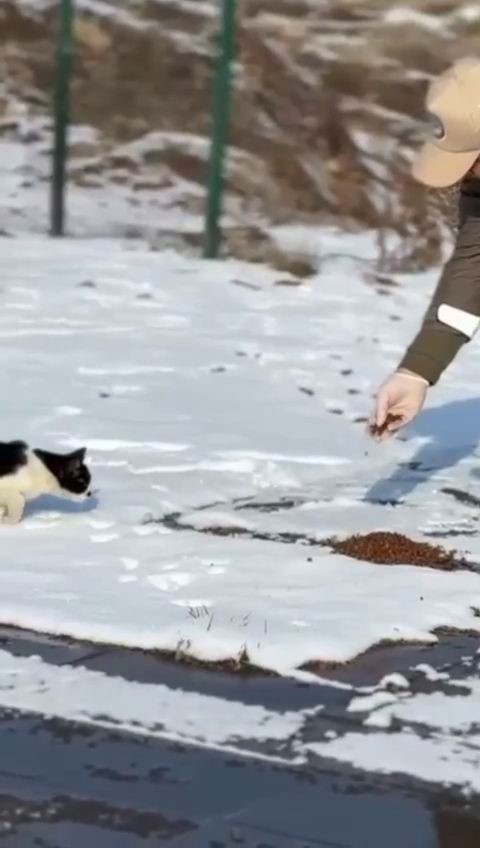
point(430, 673)
point(98, 205)
point(439, 710)
point(395, 680)
point(158, 141)
point(37, 5)
point(469, 13)
point(408, 15)
point(371, 702)
point(83, 134)
point(448, 755)
point(91, 697)
point(437, 759)
point(101, 8)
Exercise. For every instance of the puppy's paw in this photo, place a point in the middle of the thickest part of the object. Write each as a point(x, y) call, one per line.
point(7, 517)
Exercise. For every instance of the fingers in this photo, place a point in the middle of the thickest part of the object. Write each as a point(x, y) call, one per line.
point(378, 418)
point(396, 423)
point(381, 411)
point(391, 424)
point(399, 400)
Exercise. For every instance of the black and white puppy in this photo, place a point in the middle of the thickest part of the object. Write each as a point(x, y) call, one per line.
point(27, 473)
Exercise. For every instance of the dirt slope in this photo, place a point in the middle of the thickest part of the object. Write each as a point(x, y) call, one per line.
point(327, 102)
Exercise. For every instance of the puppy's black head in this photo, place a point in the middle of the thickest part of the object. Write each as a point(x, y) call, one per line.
point(73, 474)
point(69, 470)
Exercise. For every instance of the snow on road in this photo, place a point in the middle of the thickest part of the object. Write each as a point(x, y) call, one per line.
point(432, 736)
point(156, 710)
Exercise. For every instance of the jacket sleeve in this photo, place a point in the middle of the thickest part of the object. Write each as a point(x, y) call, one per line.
point(453, 316)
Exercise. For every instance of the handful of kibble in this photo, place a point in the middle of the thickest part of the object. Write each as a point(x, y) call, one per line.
point(377, 432)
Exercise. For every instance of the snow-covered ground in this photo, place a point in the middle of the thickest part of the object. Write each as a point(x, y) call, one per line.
point(219, 395)
point(212, 392)
point(191, 385)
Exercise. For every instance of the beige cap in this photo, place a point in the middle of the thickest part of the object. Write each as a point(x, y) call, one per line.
point(453, 103)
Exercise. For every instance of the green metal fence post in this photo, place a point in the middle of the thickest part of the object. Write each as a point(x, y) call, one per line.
point(63, 72)
point(221, 118)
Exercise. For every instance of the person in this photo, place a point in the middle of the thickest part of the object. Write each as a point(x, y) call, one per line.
point(450, 157)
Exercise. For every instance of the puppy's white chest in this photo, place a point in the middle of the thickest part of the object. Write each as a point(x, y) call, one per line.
point(30, 481)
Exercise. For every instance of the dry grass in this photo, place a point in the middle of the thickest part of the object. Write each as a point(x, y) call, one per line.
point(251, 244)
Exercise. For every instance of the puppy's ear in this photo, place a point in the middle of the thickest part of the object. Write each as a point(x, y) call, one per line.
point(77, 457)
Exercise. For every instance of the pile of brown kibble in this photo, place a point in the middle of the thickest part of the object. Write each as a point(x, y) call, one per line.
point(395, 549)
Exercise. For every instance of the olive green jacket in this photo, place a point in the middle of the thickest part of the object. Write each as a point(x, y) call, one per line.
point(453, 315)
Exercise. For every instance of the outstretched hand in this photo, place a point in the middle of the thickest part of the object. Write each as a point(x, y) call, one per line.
point(399, 400)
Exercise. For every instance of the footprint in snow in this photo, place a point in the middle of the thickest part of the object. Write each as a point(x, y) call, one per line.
point(170, 582)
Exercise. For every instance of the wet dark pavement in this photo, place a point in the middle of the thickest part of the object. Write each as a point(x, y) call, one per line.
point(65, 785)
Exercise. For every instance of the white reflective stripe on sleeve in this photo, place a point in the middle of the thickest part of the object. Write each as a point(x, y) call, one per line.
point(410, 376)
point(465, 322)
